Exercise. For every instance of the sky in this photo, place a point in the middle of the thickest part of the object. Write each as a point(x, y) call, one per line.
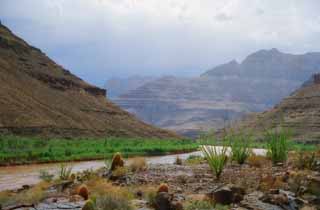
point(102, 39)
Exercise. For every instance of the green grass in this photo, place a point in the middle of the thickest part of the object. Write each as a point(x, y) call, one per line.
point(22, 150)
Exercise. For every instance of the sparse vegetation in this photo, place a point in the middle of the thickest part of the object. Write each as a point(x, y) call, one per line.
point(306, 160)
point(240, 147)
point(178, 161)
point(257, 160)
point(117, 161)
point(21, 150)
point(113, 202)
point(64, 172)
point(216, 158)
point(278, 145)
point(199, 205)
point(138, 164)
point(45, 175)
point(195, 159)
point(89, 205)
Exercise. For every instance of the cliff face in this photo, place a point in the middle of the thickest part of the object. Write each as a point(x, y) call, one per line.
point(39, 97)
point(300, 112)
point(222, 94)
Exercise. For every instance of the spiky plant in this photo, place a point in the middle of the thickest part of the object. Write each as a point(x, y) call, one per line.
point(278, 145)
point(240, 147)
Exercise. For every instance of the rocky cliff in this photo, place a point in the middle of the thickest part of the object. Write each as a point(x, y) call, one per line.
point(222, 94)
point(39, 97)
point(299, 112)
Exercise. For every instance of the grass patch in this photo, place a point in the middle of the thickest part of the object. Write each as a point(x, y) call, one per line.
point(22, 150)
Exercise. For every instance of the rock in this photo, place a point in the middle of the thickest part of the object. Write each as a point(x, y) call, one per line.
point(227, 195)
point(252, 201)
point(314, 186)
point(163, 201)
point(75, 198)
point(309, 208)
point(176, 205)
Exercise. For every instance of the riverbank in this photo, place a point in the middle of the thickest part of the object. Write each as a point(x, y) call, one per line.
point(23, 150)
point(190, 185)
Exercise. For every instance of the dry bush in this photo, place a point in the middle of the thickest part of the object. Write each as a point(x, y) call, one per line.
point(305, 160)
point(100, 186)
point(269, 182)
point(119, 172)
point(117, 161)
point(257, 160)
point(138, 164)
point(111, 201)
point(178, 161)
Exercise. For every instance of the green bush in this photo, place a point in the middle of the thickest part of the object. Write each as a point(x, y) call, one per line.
point(199, 205)
point(240, 147)
point(278, 145)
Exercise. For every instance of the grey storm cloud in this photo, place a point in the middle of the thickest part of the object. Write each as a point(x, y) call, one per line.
point(99, 39)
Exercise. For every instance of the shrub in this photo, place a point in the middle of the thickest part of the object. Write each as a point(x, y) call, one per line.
point(89, 205)
point(117, 161)
point(45, 176)
point(216, 159)
point(306, 160)
point(178, 161)
point(277, 145)
point(199, 205)
point(113, 202)
point(256, 160)
point(83, 192)
point(138, 164)
point(240, 147)
point(194, 159)
point(64, 172)
point(119, 172)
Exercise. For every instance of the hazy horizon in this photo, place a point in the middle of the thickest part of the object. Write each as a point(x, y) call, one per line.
point(102, 39)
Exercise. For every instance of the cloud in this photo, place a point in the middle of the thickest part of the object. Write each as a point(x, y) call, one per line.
point(98, 39)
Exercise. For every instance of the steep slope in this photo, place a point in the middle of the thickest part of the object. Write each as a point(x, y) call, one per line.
point(300, 112)
point(39, 97)
point(225, 93)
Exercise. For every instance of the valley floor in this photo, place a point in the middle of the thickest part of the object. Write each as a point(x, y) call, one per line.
point(190, 185)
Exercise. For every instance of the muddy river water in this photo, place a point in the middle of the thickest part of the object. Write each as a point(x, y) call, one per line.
point(13, 177)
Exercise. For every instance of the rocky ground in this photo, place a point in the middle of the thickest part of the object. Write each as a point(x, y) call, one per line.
point(256, 184)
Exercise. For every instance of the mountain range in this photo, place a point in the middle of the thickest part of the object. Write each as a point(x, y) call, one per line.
point(40, 98)
point(298, 113)
point(222, 94)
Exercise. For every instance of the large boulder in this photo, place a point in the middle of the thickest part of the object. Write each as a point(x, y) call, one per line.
point(227, 194)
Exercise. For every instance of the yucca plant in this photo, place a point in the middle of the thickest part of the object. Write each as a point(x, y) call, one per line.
point(240, 147)
point(278, 145)
point(215, 156)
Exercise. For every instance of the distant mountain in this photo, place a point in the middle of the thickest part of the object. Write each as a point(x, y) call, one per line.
point(39, 97)
point(300, 112)
point(222, 94)
point(119, 86)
